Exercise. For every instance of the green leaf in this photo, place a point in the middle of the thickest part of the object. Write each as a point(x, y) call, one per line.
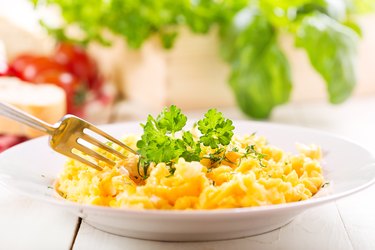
point(138, 20)
point(168, 38)
point(260, 75)
point(361, 6)
point(354, 26)
point(283, 13)
point(171, 119)
point(193, 148)
point(155, 145)
point(331, 48)
point(215, 129)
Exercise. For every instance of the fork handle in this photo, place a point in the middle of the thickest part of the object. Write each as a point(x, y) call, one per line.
point(27, 119)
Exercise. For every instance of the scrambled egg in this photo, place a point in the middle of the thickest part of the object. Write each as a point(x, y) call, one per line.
point(238, 179)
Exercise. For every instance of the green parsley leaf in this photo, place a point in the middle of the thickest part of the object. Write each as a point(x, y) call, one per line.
point(215, 129)
point(155, 145)
point(172, 120)
point(158, 143)
point(193, 148)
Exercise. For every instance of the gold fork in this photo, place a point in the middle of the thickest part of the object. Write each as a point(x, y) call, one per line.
point(69, 136)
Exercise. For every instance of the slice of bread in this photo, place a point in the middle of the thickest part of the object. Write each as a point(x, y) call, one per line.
point(45, 101)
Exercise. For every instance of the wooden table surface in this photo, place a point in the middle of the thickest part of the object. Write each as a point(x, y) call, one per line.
point(345, 224)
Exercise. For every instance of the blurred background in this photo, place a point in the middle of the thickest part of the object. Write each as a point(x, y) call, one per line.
point(116, 60)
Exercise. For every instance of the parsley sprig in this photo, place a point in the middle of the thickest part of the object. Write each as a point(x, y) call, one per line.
point(158, 142)
point(164, 139)
point(215, 129)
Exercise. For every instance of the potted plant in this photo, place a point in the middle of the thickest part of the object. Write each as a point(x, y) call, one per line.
point(248, 41)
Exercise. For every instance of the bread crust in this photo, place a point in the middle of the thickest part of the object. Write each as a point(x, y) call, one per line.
point(45, 101)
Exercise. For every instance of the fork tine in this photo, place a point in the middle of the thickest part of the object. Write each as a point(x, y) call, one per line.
point(94, 154)
point(110, 138)
point(82, 160)
point(101, 145)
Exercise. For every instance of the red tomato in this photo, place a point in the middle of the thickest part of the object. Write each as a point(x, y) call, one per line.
point(75, 91)
point(7, 141)
point(70, 67)
point(38, 65)
point(75, 58)
point(27, 67)
point(18, 65)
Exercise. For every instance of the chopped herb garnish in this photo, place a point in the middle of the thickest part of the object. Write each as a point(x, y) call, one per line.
point(251, 152)
point(171, 171)
point(326, 184)
point(216, 157)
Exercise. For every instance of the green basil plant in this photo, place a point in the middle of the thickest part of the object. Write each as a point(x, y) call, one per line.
point(248, 30)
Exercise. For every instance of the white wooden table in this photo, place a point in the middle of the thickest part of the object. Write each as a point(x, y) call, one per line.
point(346, 224)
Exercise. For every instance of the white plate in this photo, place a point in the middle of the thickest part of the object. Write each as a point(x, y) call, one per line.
point(31, 168)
